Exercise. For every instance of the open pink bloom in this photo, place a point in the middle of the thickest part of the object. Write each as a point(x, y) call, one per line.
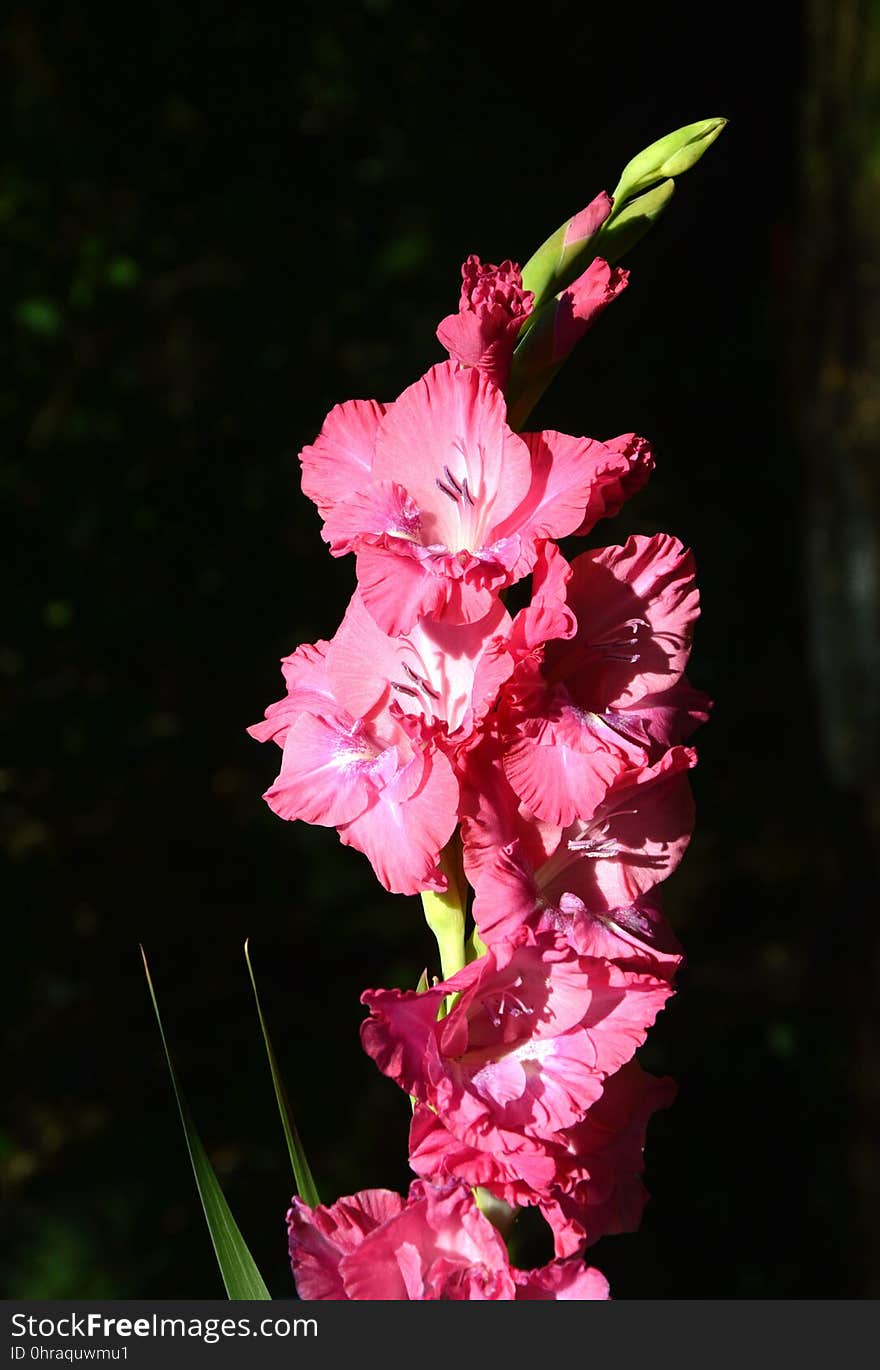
point(586, 1180)
point(600, 706)
point(435, 1245)
point(528, 1043)
point(599, 869)
point(490, 314)
point(444, 505)
point(380, 780)
point(446, 674)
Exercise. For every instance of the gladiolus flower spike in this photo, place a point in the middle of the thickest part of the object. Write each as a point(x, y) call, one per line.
point(526, 774)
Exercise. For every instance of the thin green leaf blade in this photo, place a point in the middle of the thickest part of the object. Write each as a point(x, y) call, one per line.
point(240, 1275)
point(302, 1174)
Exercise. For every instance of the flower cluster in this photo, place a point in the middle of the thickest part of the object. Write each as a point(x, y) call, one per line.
point(542, 755)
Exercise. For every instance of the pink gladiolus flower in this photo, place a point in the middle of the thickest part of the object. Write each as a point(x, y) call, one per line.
point(597, 711)
point(599, 866)
point(447, 674)
point(525, 1050)
point(435, 1245)
point(442, 503)
point(378, 780)
point(491, 312)
point(586, 1180)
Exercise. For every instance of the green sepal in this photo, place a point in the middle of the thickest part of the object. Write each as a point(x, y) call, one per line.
point(302, 1174)
point(241, 1277)
point(622, 231)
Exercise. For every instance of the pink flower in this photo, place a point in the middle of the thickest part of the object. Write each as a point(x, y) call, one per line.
point(599, 868)
point(534, 1032)
point(435, 1245)
point(599, 708)
point(492, 309)
point(446, 674)
point(379, 780)
point(586, 1180)
point(561, 324)
point(442, 503)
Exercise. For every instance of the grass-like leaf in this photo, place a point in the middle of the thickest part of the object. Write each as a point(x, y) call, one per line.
point(305, 1184)
point(240, 1275)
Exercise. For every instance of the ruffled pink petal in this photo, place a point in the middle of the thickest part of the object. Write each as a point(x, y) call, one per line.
point(308, 688)
point(381, 509)
point(635, 839)
point(320, 1237)
point(340, 459)
point(568, 477)
point(491, 812)
point(438, 1247)
point(547, 615)
point(610, 494)
point(569, 1279)
point(493, 307)
point(636, 606)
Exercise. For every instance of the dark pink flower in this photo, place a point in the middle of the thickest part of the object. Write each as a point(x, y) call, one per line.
point(490, 314)
point(599, 869)
point(598, 707)
point(533, 1033)
point(585, 1180)
point(563, 321)
point(435, 1245)
point(442, 503)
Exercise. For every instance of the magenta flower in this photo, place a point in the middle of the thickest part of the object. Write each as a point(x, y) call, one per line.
point(491, 312)
point(533, 1033)
point(436, 1244)
point(444, 505)
point(586, 1180)
point(635, 839)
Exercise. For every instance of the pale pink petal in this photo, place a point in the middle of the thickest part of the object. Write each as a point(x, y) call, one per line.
point(341, 458)
point(450, 429)
point(326, 772)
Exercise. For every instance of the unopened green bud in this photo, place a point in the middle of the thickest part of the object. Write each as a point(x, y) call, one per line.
point(669, 156)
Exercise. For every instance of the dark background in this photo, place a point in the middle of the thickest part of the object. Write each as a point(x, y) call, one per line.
point(216, 223)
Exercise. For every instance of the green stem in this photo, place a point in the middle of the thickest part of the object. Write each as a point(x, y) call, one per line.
point(445, 913)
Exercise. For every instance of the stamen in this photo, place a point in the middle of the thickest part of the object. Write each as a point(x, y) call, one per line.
point(452, 481)
point(420, 681)
point(404, 689)
point(467, 494)
point(451, 493)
